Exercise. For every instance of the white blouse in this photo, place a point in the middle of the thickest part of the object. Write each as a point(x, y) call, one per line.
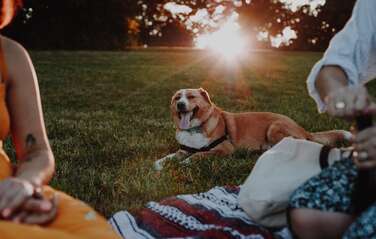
point(353, 49)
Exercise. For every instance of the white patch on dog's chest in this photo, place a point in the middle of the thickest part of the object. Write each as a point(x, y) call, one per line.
point(193, 140)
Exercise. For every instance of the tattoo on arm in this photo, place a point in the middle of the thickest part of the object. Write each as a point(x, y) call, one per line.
point(30, 141)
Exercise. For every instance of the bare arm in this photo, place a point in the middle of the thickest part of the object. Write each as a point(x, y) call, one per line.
point(333, 87)
point(346, 60)
point(330, 79)
point(36, 161)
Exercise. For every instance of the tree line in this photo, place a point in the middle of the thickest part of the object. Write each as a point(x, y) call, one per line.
point(117, 24)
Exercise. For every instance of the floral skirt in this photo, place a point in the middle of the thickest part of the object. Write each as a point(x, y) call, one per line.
point(331, 191)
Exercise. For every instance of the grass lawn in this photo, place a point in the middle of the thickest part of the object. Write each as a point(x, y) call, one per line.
point(107, 115)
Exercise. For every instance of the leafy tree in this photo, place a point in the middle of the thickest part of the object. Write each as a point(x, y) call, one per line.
point(72, 24)
point(113, 24)
point(314, 27)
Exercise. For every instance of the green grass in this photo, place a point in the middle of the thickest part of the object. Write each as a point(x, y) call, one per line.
point(107, 115)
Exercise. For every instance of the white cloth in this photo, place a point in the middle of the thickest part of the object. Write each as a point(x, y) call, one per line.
point(278, 172)
point(353, 49)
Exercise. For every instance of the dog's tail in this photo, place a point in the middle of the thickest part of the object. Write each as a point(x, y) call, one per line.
point(331, 137)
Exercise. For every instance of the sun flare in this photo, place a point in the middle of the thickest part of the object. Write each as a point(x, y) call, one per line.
point(227, 41)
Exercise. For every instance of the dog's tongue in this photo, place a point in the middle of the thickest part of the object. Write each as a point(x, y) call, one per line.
point(184, 121)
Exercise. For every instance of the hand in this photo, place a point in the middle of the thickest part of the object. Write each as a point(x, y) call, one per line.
point(365, 148)
point(13, 193)
point(348, 102)
point(37, 211)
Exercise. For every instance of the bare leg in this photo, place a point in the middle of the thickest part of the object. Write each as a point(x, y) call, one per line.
point(309, 223)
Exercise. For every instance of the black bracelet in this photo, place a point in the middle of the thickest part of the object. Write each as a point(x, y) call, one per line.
point(38, 192)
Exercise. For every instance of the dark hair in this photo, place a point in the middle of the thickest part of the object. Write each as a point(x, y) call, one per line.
point(8, 10)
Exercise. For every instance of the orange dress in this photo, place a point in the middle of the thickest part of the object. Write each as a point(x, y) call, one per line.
point(74, 220)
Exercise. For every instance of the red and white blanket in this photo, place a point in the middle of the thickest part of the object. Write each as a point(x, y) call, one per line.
point(213, 214)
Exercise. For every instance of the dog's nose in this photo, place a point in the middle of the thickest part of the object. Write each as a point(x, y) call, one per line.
point(181, 106)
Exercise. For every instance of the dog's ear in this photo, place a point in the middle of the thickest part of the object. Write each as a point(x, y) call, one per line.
point(172, 99)
point(205, 94)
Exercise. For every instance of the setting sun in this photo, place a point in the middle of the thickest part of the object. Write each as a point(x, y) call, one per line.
point(227, 41)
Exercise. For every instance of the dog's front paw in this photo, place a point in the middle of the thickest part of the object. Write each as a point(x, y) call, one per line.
point(186, 161)
point(158, 166)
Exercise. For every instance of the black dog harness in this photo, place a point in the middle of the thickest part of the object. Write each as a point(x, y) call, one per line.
point(206, 148)
point(212, 145)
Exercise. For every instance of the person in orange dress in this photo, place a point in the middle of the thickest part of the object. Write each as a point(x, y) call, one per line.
point(28, 207)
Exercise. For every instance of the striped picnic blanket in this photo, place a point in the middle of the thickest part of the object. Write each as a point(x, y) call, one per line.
point(213, 214)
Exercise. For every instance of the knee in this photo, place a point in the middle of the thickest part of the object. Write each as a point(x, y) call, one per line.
point(301, 222)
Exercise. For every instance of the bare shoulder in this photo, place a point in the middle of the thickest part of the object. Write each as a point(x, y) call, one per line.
point(16, 57)
point(13, 50)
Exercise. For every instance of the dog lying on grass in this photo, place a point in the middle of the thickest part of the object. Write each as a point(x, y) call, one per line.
point(203, 129)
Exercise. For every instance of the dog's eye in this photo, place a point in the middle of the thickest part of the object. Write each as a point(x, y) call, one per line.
point(190, 97)
point(177, 98)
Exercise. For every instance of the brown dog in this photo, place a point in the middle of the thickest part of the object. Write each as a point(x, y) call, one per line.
point(204, 129)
